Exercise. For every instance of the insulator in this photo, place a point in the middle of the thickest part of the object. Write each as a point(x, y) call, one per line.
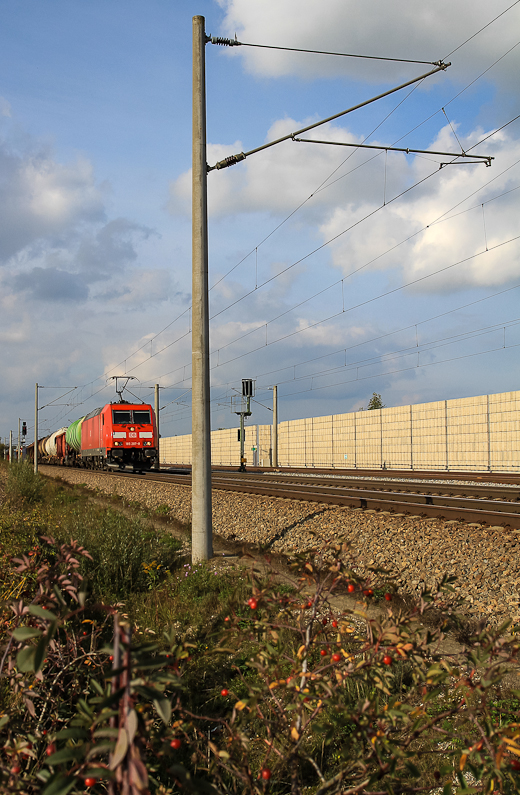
point(227, 42)
point(231, 160)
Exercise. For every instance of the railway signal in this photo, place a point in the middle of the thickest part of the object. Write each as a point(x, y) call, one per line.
point(241, 405)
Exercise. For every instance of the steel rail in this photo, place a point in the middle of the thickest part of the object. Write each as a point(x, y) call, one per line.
point(465, 509)
point(509, 493)
point(414, 474)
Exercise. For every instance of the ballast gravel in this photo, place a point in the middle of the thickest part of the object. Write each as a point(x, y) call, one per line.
point(485, 560)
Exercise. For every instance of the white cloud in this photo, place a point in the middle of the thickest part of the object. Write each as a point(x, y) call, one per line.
point(41, 198)
point(401, 29)
point(275, 181)
point(141, 288)
point(285, 176)
point(436, 245)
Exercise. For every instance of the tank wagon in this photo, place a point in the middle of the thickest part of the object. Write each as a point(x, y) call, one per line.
point(115, 436)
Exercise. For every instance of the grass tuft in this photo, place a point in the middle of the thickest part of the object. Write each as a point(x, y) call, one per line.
point(23, 486)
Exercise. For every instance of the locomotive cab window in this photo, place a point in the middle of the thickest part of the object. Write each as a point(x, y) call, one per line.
point(121, 417)
point(141, 417)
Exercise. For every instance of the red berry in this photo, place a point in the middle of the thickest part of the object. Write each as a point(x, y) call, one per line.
point(388, 597)
point(111, 658)
point(515, 764)
point(226, 618)
point(15, 769)
point(266, 774)
point(252, 602)
point(176, 743)
point(324, 621)
point(89, 782)
point(336, 657)
point(351, 587)
point(323, 652)
point(334, 624)
point(85, 633)
point(224, 692)
point(387, 660)
point(51, 749)
point(306, 699)
point(368, 592)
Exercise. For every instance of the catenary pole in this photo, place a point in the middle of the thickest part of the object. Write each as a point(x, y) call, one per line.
point(275, 427)
point(36, 427)
point(156, 409)
point(10, 447)
point(202, 546)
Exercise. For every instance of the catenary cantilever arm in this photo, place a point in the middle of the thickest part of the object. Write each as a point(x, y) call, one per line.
point(232, 159)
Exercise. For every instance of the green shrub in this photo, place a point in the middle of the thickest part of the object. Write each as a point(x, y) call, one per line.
point(124, 550)
point(194, 599)
point(24, 486)
point(298, 695)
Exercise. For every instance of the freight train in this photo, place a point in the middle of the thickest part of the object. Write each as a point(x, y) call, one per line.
point(116, 436)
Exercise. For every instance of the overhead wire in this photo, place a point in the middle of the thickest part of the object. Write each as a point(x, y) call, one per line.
point(283, 271)
point(323, 184)
point(219, 40)
point(470, 38)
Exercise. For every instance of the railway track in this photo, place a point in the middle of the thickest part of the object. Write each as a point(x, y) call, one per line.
point(485, 503)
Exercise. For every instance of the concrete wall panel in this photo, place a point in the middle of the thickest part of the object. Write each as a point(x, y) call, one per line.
point(478, 433)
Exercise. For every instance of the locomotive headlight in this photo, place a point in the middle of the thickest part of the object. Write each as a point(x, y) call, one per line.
point(132, 428)
point(118, 444)
point(147, 444)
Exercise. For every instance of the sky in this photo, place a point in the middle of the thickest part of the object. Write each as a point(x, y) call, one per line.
point(335, 271)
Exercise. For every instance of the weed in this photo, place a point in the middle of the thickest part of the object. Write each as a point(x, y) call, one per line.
point(23, 486)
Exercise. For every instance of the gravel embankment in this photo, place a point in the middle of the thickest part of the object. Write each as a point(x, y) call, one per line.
point(486, 561)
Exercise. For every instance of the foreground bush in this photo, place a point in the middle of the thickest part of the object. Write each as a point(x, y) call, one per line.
point(23, 486)
point(128, 554)
point(294, 695)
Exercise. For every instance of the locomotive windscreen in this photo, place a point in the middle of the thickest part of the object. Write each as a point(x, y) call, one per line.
point(141, 417)
point(127, 417)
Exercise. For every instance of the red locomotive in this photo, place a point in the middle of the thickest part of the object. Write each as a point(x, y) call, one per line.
point(115, 436)
point(119, 435)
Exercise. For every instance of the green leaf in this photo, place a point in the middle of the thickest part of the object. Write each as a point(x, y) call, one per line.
point(97, 772)
point(25, 659)
point(416, 773)
point(132, 724)
point(82, 596)
point(164, 709)
point(97, 687)
point(120, 749)
point(66, 755)
point(3, 720)
point(148, 692)
point(102, 749)
point(105, 715)
point(59, 596)
point(41, 651)
point(48, 615)
point(75, 734)
point(24, 633)
point(106, 733)
point(60, 785)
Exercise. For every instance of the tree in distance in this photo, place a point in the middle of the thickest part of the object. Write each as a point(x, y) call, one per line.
point(375, 402)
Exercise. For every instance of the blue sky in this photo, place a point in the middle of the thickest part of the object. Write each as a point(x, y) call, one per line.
point(95, 238)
